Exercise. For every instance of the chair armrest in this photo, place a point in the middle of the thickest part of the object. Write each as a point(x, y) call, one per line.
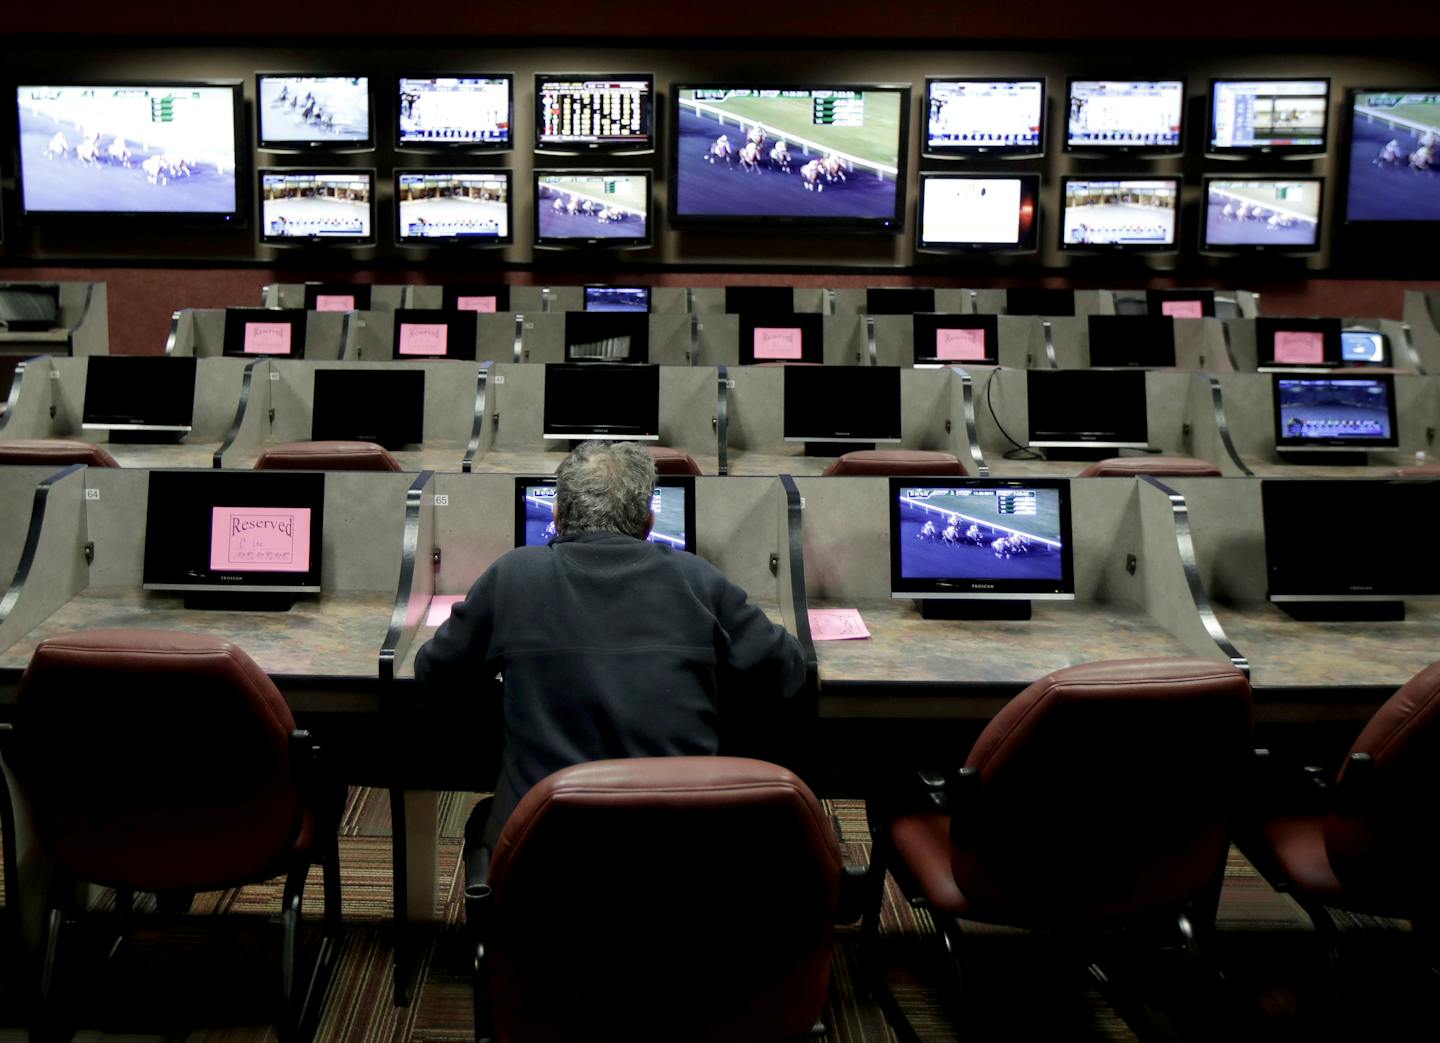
point(1285, 788)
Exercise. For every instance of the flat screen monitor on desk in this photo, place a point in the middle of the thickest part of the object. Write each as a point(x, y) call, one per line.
point(980, 539)
point(1297, 344)
point(1311, 575)
point(1132, 340)
point(1334, 412)
point(1181, 304)
point(842, 404)
point(337, 296)
point(369, 405)
point(28, 309)
point(779, 337)
point(1361, 346)
point(607, 336)
point(485, 299)
point(253, 332)
point(131, 393)
point(433, 333)
point(673, 504)
point(899, 300)
point(948, 340)
point(1087, 409)
point(617, 298)
point(593, 400)
point(252, 532)
point(742, 299)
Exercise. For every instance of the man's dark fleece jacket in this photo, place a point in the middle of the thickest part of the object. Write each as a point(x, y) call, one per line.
point(610, 646)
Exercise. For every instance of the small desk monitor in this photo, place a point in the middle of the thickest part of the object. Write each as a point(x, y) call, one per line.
point(1039, 300)
point(250, 531)
point(1132, 340)
point(981, 539)
point(616, 402)
point(1314, 578)
point(313, 112)
point(947, 340)
point(899, 300)
point(1181, 304)
point(1286, 343)
point(607, 336)
point(742, 299)
point(369, 405)
point(1362, 346)
point(782, 337)
point(673, 504)
point(138, 393)
point(1334, 412)
point(252, 332)
point(337, 296)
point(617, 298)
point(486, 299)
point(842, 404)
point(433, 333)
point(1087, 409)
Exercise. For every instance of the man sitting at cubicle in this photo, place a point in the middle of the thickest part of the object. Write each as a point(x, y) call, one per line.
point(610, 645)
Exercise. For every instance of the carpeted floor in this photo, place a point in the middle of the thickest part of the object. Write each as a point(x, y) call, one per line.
point(1276, 984)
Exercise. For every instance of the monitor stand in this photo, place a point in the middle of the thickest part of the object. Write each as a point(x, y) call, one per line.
point(974, 608)
point(125, 437)
point(1344, 611)
point(836, 448)
point(1338, 458)
point(1084, 453)
point(239, 601)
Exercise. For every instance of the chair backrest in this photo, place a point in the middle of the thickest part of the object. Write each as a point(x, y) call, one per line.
point(326, 456)
point(1417, 471)
point(663, 898)
point(673, 461)
point(156, 761)
point(1159, 466)
point(900, 462)
point(1381, 838)
point(1104, 791)
point(57, 451)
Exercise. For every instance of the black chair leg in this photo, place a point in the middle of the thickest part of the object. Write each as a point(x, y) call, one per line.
point(49, 1027)
point(477, 912)
point(405, 957)
point(288, 1024)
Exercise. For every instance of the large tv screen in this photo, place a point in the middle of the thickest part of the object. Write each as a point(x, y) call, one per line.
point(979, 212)
point(452, 206)
point(1272, 117)
point(131, 149)
point(299, 112)
point(985, 116)
point(1134, 116)
point(329, 206)
point(454, 112)
point(1262, 214)
point(592, 207)
point(1129, 213)
point(1394, 140)
point(585, 112)
point(815, 155)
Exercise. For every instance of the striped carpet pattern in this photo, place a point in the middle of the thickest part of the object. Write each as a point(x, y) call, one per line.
point(1275, 980)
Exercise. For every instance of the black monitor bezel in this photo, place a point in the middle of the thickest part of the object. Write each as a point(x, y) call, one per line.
point(402, 146)
point(182, 420)
point(239, 217)
point(291, 146)
point(1154, 299)
point(1269, 325)
point(672, 481)
point(1112, 405)
point(1302, 444)
point(354, 241)
point(466, 320)
point(1215, 151)
point(649, 372)
point(599, 242)
point(1178, 149)
point(812, 336)
point(1208, 247)
point(360, 291)
point(467, 241)
point(1171, 247)
point(928, 322)
point(892, 225)
point(867, 378)
point(1159, 322)
point(1053, 292)
point(640, 334)
point(1029, 192)
point(397, 409)
point(233, 344)
point(585, 301)
point(977, 588)
point(586, 148)
point(929, 150)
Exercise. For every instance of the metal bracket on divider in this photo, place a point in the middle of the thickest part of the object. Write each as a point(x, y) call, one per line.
point(519, 337)
point(974, 302)
point(694, 338)
point(1407, 345)
point(345, 337)
point(174, 332)
point(477, 428)
point(1217, 399)
point(1225, 336)
point(1049, 343)
point(689, 300)
point(722, 419)
point(870, 339)
point(407, 296)
point(544, 302)
point(1255, 303)
point(829, 302)
point(972, 433)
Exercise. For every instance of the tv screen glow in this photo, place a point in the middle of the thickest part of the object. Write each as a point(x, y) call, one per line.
point(1006, 116)
point(1268, 115)
point(1335, 412)
point(603, 113)
point(130, 149)
point(433, 333)
point(1362, 346)
point(979, 212)
point(1125, 115)
point(453, 206)
point(266, 338)
point(1263, 213)
point(598, 207)
point(617, 298)
point(1394, 138)
point(1299, 348)
point(1137, 213)
point(335, 302)
point(672, 502)
point(1180, 304)
point(313, 111)
point(1297, 342)
point(465, 112)
point(805, 155)
point(315, 206)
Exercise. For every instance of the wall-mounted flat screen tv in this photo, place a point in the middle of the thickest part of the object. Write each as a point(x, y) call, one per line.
point(1120, 213)
point(588, 112)
point(313, 112)
point(472, 207)
point(979, 212)
point(592, 208)
point(1268, 117)
point(1131, 116)
point(468, 113)
point(1274, 214)
point(984, 117)
point(334, 206)
point(1394, 156)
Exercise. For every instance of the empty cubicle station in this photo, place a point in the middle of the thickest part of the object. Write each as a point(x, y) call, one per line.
point(1229, 304)
point(1406, 350)
point(201, 332)
point(50, 318)
point(1199, 344)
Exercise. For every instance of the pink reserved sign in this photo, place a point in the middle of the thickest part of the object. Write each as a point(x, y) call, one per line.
point(960, 345)
point(1297, 348)
point(334, 302)
point(267, 338)
point(440, 608)
point(837, 624)
point(260, 539)
point(779, 342)
point(1182, 309)
point(423, 338)
point(485, 304)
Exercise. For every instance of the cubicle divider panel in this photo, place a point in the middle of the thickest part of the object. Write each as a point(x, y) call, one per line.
point(1208, 426)
point(51, 568)
point(1229, 536)
point(373, 337)
point(719, 337)
point(1421, 312)
point(757, 407)
point(1105, 532)
point(1000, 408)
point(668, 300)
point(85, 312)
point(1200, 345)
point(1022, 342)
point(251, 425)
point(31, 395)
point(847, 538)
point(474, 525)
point(964, 438)
point(1244, 350)
point(670, 339)
point(844, 341)
point(325, 335)
point(206, 333)
point(736, 532)
point(1071, 337)
point(415, 583)
point(364, 530)
point(543, 337)
point(894, 339)
point(927, 420)
point(1167, 394)
point(17, 497)
point(689, 412)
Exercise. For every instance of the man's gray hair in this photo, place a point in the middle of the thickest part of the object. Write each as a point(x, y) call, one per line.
point(605, 487)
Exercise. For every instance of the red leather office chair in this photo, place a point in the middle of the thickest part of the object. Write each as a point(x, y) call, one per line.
point(1097, 798)
point(326, 456)
point(1369, 842)
point(169, 763)
point(902, 462)
point(673, 461)
point(1159, 466)
point(1417, 471)
point(57, 451)
point(673, 898)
